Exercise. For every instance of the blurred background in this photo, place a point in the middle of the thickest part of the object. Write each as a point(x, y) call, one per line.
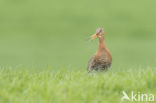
point(54, 32)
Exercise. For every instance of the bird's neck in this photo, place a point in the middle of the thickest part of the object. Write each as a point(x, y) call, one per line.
point(102, 45)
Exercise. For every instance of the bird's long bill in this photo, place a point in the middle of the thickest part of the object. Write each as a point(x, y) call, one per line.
point(93, 36)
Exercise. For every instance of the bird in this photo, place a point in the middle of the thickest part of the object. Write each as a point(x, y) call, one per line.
point(102, 60)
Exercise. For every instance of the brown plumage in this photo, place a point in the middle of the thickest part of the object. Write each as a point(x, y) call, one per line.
point(102, 60)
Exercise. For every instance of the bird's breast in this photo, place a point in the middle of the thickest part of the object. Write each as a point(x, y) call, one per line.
point(103, 56)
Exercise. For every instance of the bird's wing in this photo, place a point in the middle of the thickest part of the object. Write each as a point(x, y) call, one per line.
point(90, 63)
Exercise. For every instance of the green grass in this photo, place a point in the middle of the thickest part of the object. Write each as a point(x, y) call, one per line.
point(44, 51)
point(48, 86)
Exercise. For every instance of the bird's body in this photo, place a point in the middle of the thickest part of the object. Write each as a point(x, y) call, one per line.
point(102, 60)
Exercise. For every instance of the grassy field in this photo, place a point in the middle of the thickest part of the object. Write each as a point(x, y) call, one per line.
point(47, 86)
point(44, 50)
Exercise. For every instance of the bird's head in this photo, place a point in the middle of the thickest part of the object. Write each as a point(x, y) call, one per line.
point(99, 33)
